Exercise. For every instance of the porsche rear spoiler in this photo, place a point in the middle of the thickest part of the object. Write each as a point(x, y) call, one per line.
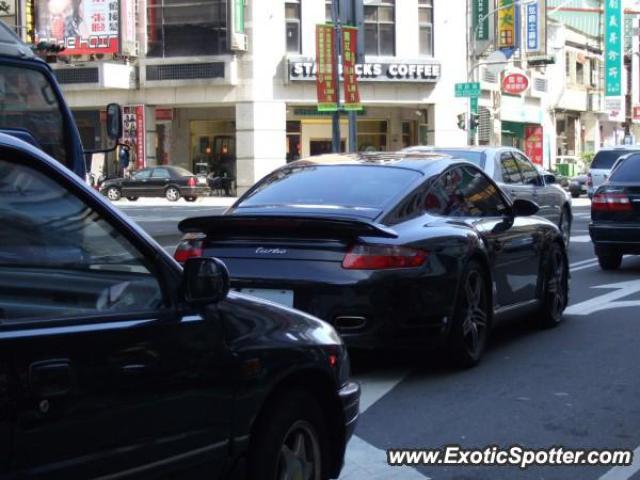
point(284, 226)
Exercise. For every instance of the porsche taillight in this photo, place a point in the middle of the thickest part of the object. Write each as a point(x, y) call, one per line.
point(189, 247)
point(383, 257)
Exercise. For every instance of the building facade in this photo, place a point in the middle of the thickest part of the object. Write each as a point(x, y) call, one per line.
point(243, 102)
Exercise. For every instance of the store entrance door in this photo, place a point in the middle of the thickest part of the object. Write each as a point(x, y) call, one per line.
point(319, 147)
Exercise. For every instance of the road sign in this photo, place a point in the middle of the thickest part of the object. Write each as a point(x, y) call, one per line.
point(469, 89)
point(608, 300)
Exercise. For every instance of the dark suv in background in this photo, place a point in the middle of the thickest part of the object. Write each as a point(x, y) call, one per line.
point(115, 362)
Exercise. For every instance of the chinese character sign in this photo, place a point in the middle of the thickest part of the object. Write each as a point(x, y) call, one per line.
point(533, 143)
point(351, 92)
point(81, 26)
point(535, 27)
point(326, 81)
point(613, 47)
point(506, 24)
point(134, 134)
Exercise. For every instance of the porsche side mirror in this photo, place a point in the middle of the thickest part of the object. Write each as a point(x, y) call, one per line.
point(206, 280)
point(524, 208)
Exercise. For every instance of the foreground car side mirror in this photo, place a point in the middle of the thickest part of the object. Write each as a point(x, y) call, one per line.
point(114, 121)
point(524, 208)
point(206, 280)
point(549, 179)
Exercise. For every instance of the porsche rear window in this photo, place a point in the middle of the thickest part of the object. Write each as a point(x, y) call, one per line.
point(340, 185)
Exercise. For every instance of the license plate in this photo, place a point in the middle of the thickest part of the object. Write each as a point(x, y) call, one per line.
point(202, 181)
point(281, 297)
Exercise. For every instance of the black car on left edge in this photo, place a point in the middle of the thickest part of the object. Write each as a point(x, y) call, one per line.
point(115, 362)
point(394, 249)
point(615, 213)
point(166, 181)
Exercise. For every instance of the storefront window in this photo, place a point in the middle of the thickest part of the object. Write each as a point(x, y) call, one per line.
point(379, 27)
point(372, 135)
point(186, 27)
point(425, 18)
point(294, 146)
point(292, 17)
point(213, 147)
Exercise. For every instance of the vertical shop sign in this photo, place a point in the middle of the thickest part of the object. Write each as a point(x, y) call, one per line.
point(613, 59)
point(506, 24)
point(326, 85)
point(134, 133)
point(351, 91)
point(533, 143)
point(481, 19)
point(128, 28)
point(536, 28)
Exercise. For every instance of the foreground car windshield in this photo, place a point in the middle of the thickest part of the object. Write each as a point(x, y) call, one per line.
point(340, 185)
point(628, 170)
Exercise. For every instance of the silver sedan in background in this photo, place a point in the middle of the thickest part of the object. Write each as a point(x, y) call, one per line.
point(519, 178)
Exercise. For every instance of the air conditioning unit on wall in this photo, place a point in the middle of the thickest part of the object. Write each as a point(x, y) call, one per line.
point(239, 42)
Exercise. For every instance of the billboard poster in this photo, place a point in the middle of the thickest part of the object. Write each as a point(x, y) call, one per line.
point(81, 26)
point(533, 143)
point(134, 133)
point(351, 91)
point(326, 85)
point(507, 24)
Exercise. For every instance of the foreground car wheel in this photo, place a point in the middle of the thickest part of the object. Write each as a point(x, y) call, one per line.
point(114, 194)
point(290, 441)
point(609, 260)
point(190, 199)
point(470, 328)
point(554, 287)
point(172, 194)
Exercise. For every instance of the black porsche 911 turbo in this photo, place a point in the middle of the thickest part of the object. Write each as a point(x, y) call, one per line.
point(394, 250)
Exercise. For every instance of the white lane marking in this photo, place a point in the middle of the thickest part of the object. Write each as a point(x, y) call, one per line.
point(624, 473)
point(582, 262)
point(584, 267)
point(362, 459)
point(581, 239)
point(608, 300)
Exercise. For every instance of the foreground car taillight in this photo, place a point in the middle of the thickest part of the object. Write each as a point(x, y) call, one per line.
point(192, 182)
point(189, 247)
point(611, 202)
point(381, 257)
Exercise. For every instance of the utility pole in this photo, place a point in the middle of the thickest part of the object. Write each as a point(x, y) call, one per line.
point(337, 51)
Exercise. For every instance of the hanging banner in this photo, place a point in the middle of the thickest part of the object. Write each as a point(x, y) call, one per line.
point(533, 143)
point(481, 19)
point(81, 26)
point(536, 28)
point(326, 85)
point(351, 91)
point(134, 133)
point(506, 24)
point(613, 48)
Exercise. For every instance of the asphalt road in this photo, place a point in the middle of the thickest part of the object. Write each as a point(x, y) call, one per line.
point(575, 386)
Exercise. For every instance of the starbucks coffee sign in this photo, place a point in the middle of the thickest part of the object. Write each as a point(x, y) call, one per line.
point(413, 72)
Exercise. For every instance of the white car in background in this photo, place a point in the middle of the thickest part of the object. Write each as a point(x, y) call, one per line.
point(602, 163)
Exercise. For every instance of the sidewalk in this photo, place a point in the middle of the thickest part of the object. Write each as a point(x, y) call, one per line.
point(163, 202)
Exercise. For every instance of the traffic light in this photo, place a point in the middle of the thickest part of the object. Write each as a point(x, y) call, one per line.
point(462, 121)
point(474, 121)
